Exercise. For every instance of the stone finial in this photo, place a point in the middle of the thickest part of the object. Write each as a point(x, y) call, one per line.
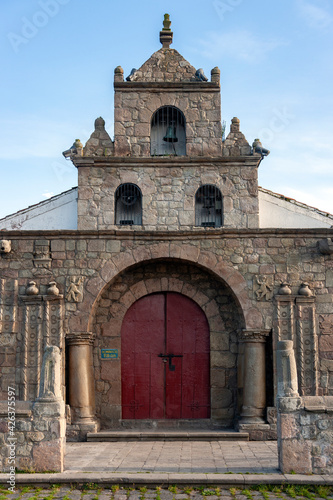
point(166, 35)
point(99, 123)
point(215, 75)
point(284, 289)
point(99, 143)
point(32, 288)
point(118, 74)
point(305, 290)
point(236, 144)
point(53, 289)
point(235, 124)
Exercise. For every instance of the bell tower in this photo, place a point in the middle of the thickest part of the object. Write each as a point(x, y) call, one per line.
point(168, 151)
point(166, 107)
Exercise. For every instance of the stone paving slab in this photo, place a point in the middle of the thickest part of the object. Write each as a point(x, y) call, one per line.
point(131, 464)
point(173, 457)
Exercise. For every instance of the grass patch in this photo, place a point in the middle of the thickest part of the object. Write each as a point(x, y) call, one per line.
point(173, 489)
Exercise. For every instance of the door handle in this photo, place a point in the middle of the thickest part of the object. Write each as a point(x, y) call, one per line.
point(172, 367)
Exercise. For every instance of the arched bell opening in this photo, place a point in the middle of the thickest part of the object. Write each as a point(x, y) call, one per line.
point(128, 205)
point(168, 135)
point(208, 206)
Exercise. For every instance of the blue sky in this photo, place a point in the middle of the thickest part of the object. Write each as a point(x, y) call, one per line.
point(58, 59)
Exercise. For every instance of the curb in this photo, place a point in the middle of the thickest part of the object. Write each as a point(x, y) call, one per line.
point(165, 479)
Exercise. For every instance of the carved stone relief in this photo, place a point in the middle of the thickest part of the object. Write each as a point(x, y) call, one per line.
point(74, 289)
point(326, 324)
point(42, 258)
point(8, 305)
point(43, 326)
point(307, 349)
point(50, 379)
point(5, 246)
point(263, 287)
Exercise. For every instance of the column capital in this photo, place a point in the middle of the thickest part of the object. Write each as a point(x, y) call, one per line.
point(80, 338)
point(257, 335)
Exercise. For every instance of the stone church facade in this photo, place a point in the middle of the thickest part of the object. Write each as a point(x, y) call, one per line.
point(168, 301)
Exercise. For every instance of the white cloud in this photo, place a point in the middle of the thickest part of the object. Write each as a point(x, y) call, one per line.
point(242, 45)
point(316, 14)
point(48, 194)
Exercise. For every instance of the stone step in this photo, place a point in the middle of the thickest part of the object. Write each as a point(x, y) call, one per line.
point(167, 435)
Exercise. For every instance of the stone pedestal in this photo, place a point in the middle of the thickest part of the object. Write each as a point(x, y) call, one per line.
point(49, 449)
point(254, 384)
point(81, 380)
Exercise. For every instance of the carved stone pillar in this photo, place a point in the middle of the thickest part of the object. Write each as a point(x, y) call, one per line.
point(254, 392)
point(81, 378)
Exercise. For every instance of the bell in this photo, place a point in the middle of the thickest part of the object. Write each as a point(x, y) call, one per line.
point(170, 135)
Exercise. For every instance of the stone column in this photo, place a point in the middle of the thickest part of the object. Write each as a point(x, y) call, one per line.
point(81, 378)
point(254, 384)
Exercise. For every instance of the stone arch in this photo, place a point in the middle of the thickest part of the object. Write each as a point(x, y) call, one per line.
point(82, 320)
point(211, 295)
point(155, 285)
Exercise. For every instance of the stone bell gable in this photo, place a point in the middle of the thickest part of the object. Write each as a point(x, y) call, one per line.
point(167, 163)
point(175, 85)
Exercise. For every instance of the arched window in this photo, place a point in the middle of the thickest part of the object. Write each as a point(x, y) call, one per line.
point(168, 132)
point(208, 206)
point(128, 205)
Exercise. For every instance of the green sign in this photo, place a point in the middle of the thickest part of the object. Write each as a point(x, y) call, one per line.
point(109, 353)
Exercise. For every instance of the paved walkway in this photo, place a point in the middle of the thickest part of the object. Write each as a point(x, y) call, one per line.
point(173, 456)
point(216, 464)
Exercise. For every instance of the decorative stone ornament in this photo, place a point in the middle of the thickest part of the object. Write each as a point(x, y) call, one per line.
point(284, 289)
point(32, 288)
point(50, 380)
point(305, 290)
point(5, 246)
point(53, 289)
point(166, 34)
point(263, 288)
point(286, 370)
point(74, 292)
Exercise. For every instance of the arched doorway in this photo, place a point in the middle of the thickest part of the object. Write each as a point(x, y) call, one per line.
point(165, 365)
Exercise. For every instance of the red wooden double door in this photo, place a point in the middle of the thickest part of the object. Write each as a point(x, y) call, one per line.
point(165, 359)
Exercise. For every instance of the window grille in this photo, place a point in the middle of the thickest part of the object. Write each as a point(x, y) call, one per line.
point(168, 132)
point(208, 206)
point(128, 205)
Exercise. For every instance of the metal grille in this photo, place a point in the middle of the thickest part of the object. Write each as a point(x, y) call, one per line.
point(208, 206)
point(168, 132)
point(128, 205)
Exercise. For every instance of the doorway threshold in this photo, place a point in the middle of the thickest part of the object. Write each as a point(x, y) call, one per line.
point(168, 435)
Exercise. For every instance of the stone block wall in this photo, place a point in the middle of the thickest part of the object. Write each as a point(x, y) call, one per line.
point(168, 191)
point(250, 264)
point(305, 435)
point(36, 442)
point(134, 108)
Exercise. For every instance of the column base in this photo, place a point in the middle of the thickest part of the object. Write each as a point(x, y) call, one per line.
point(257, 431)
point(77, 432)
